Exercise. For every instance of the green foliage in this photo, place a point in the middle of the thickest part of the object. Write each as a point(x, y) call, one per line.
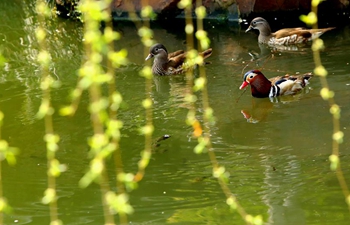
point(328, 95)
point(199, 83)
point(309, 19)
point(334, 159)
point(104, 142)
point(4, 206)
point(335, 111)
point(200, 12)
point(2, 60)
point(128, 179)
point(184, 4)
point(119, 203)
point(146, 35)
point(257, 220)
point(8, 153)
point(147, 12)
point(46, 111)
point(49, 196)
point(201, 146)
point(146, 72)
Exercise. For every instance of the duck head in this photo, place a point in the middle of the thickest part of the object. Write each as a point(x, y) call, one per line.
point(260, 86)
point(260, 24)
point(157, 50)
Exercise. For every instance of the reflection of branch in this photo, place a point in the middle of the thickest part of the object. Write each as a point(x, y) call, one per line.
point(239, 97)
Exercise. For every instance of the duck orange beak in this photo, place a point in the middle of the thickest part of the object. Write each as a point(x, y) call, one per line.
point(149, 56)
point(243, 85)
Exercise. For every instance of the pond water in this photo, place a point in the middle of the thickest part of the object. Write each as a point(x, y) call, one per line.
point(277, 158)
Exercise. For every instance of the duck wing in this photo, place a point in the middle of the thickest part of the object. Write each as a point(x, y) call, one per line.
point(177, 60)
point(291, 84)
point(174, 54)
point(300, 34)
point(277, 79)
point(289, 32)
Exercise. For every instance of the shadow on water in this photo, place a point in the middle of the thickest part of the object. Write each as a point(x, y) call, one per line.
point(276, 152)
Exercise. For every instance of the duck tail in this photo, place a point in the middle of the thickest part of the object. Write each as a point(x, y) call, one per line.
point(206, 53)
point(307, 77)
point(327, 29)
point(177, 53)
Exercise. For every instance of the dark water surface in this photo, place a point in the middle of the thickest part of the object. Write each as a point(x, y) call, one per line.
point(278, 159)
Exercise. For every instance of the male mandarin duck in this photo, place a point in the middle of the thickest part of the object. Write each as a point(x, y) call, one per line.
point(172, 63)
point(287, 36)
point(262, 87)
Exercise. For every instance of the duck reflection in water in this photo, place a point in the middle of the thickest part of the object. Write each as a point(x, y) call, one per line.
point(259, 110)
point(262, 107)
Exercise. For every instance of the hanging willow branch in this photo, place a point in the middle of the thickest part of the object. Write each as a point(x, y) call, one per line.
point(46, 111)
point(328, 95)
point(202, 132)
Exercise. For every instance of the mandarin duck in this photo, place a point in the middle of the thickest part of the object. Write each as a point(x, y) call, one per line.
point(172, 63)
point(286, 36)
point(262, 87)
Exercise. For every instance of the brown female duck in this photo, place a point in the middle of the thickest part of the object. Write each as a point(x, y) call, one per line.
point(172, 63)
point(262, 87)
point(286, 36)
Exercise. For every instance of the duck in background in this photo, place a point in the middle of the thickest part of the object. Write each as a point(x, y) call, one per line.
point(286, 36)
point(262, 87)
point(170, 63)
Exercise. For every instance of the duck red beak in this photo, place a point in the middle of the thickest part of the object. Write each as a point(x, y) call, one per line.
point(244, 84)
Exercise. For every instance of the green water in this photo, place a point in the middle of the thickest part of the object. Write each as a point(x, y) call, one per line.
point(278, 160)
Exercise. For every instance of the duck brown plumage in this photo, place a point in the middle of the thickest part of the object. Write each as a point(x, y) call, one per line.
point(170, 63)
point(286, 36)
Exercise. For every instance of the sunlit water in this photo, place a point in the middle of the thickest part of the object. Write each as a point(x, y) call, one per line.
point(277, 156)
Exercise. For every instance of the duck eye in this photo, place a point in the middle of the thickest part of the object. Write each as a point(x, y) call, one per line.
point(251, 76)
point(254, 22)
